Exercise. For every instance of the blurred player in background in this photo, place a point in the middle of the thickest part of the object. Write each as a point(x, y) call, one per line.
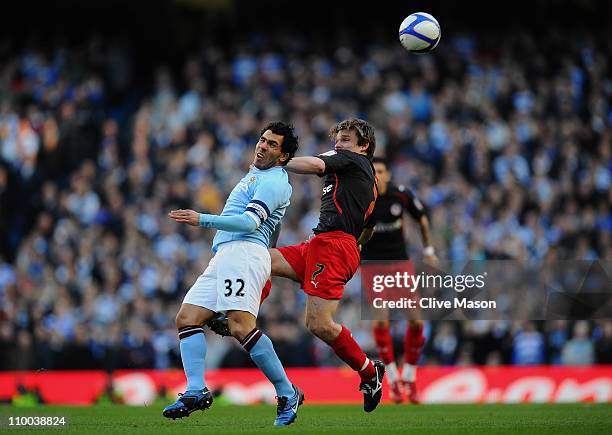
point(386, 229)
point(234, 277)
point(327, 261)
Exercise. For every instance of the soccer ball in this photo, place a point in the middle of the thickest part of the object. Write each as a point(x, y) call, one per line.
point(419, 33)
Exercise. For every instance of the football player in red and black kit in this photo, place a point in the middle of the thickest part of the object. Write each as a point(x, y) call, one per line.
point(329, 259)
point(386, 228)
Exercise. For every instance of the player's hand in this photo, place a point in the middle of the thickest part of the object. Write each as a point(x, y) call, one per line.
point(186, 217)
point(431, 260)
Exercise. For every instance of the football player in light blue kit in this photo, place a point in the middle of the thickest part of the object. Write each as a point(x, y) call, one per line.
point(236, 274)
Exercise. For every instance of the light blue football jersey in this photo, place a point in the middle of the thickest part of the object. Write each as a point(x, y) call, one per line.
point(264, 196)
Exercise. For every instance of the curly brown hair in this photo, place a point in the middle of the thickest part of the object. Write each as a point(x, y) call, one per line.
point(365, 133)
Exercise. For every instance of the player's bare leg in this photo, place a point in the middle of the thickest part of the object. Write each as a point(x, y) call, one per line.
point(260, 348)
point(190, 321)
point(192, 315)
point(281, 267)
point(320, 321)
point(320, 318)
point(241, 324)
point(413, 346)
point(384, 345)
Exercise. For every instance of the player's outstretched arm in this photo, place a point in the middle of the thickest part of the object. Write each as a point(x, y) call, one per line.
point(306, 165)
point(237, 224)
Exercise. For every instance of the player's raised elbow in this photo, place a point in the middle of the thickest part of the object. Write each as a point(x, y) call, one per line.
point(319, 165)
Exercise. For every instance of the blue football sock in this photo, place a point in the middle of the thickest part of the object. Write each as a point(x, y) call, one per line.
point(262, 352)
point(193, 352)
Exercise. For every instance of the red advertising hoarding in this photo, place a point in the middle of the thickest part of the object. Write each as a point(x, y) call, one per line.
point(325, 385)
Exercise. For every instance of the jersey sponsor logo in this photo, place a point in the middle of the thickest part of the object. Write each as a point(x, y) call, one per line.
point(386, 227)
point(328, 189)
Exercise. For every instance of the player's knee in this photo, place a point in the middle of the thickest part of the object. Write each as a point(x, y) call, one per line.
point(240, 327)
point(239, 332)
point(181, 320)
point(185, 318)
point(323, 328)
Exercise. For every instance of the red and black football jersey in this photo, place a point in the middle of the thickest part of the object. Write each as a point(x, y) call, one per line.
point(349, 192)
point(387, 242)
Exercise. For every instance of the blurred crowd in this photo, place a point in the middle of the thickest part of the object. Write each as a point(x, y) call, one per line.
point(506, 139)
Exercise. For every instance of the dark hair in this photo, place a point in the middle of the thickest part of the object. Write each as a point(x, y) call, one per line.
point(290, 140)
point(365, 133)
point(381, 160)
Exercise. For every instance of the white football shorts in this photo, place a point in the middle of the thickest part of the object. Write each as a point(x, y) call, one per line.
point(233, 279)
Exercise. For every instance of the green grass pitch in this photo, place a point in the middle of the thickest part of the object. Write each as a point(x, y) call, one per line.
point(330, 419)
